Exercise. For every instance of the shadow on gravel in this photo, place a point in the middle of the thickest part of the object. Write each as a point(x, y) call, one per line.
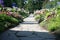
point(26, 35)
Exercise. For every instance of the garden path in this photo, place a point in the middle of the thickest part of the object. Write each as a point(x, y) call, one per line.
point(28, 30)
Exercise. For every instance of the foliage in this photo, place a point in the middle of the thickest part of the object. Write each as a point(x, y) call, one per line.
point(8, 3)
point(32, 5)
point(17, 16)
point(6, 21)
point(52, 23)
point(24, 14)
point(19, 3)
point(37, 17)
point(50, 4)
point(11, 18)
point(0, 6)
point(40, 16)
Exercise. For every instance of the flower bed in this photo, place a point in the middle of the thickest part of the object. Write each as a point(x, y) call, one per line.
point(51, 21)
point(9, 18)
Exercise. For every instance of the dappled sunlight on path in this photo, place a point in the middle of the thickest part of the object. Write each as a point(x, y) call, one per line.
point(28, 30)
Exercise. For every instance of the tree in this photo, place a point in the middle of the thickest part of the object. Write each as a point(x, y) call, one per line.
point(29, 5)
point(8, 3)
point(32, 5)
point(19, 3)
point(50, 4)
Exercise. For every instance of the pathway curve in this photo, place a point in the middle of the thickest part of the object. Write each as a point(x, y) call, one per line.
point(28, 30)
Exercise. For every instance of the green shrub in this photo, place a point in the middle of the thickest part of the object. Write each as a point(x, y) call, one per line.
point(24, 14)
point(17, 16)
point(4, 17)
point(41, 17)
point(6, 21)
point(37, 17)
point(52, 24)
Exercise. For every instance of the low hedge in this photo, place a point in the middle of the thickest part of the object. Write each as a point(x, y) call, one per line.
point(6, 21)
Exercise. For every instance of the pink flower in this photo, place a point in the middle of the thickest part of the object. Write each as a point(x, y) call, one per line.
point(9, 13)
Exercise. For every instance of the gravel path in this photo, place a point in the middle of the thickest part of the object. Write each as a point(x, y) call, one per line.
point(28, 30)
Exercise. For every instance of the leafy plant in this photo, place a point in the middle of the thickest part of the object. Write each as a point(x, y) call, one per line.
point(6, 21)
point(24, 14)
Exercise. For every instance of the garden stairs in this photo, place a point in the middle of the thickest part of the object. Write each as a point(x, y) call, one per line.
point(28, 30)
